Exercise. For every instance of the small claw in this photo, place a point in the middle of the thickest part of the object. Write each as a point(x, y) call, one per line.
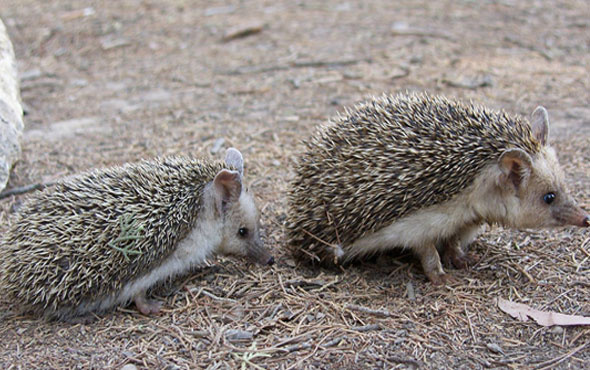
point(147, 306)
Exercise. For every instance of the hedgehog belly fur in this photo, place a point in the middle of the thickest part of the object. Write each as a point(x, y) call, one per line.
point(425, 227)
point(460, 217)
point(192, 251)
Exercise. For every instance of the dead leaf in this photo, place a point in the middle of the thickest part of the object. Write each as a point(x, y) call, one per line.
point(523, 312)
point(243, 30)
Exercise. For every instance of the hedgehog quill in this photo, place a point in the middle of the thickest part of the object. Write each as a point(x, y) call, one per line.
point(425, 173)
point(102, 238)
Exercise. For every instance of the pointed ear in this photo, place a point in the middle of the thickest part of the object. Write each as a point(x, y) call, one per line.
point(233, 158)
point(515, 165)
point(540, 124)
point(228, 187)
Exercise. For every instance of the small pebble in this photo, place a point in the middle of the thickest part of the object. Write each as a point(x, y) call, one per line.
point(401, 333)
point(108, 43)
point(410, 291)
point(219, 10)
point(236, 335)
point(351, 75)
point(495, 348)
point(129, 367)
point(557, 330)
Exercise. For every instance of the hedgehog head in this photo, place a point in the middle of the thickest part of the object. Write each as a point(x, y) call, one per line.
point(240, 217)
point(535, 184)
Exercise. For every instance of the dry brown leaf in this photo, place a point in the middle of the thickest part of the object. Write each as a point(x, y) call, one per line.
point(522, 312)
point(243, 30)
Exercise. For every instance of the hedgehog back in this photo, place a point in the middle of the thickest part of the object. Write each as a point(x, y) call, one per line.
point(387, 158)
point(57, 254)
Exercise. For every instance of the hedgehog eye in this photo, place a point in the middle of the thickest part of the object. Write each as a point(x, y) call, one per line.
point(243, 232)
point(549, 198)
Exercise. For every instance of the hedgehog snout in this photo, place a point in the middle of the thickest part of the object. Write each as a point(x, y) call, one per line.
point(571, 215)
point(263, 257)
point(259, 254)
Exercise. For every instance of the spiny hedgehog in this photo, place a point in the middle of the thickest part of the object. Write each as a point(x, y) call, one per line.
point(104, 237)
point(423, 172)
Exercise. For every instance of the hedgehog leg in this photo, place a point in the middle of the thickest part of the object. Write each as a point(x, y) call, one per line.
point(455, 256)
point(146, 306)
point(454, 249)
point(431, 264)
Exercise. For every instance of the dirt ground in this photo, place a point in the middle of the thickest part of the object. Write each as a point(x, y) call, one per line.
point(106, 82)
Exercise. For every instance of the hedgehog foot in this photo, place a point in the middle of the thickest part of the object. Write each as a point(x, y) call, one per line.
point(459, 259)
point(440, 279)
point(464, 261)
point(147, 306)
point(432, 267)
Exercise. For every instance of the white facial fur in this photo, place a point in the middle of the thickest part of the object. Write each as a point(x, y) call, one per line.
point(243, 215)
point(421, 228)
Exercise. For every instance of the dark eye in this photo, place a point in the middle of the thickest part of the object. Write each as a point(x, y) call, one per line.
point(243, 232)
point(549, 198)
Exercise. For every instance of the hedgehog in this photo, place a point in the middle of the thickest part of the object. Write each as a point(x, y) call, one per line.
point(103, 238)
point(425, 173)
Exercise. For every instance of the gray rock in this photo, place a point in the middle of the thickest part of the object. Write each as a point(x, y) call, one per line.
point(11, 112)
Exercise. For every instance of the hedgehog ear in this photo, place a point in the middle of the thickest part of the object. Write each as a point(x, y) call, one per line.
point(233, 158)
point(228, 187)
point(515, 165)
point(540, 124)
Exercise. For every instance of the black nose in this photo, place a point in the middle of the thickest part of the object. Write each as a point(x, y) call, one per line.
point(586, 221)
point(271, 261)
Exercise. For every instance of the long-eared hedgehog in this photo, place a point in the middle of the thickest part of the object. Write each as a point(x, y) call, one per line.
point(102, 238)
point(423, 172)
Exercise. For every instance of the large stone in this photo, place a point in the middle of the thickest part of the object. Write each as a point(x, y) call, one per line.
point(11, 111)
